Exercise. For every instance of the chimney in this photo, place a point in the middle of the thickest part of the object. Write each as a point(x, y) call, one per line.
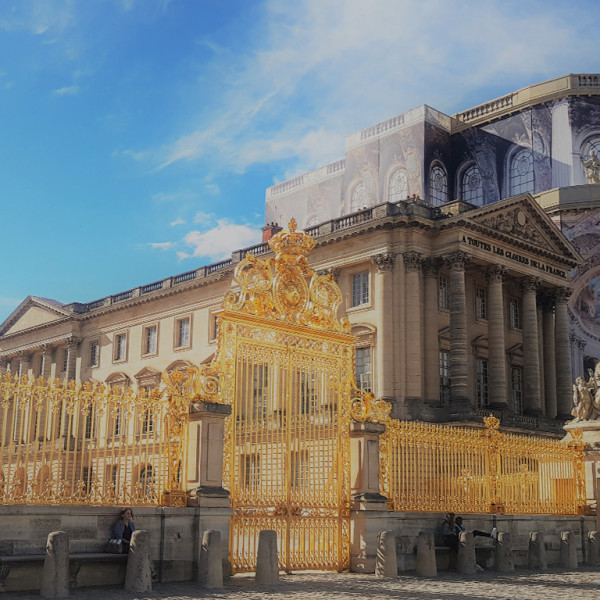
point(269, 230)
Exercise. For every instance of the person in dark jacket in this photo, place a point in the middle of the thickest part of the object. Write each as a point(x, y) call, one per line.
point(124, 528)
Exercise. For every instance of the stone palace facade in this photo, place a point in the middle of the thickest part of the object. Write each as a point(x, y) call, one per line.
point(467, 249)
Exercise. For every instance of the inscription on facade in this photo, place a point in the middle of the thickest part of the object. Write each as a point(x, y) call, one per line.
point(536, 264)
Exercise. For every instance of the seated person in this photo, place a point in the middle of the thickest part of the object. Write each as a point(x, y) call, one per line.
point(459, 527)
point(124, 528)
point(449, 532)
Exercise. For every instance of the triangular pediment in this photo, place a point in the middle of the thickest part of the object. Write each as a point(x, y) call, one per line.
point(32, 312)
point(521, 220)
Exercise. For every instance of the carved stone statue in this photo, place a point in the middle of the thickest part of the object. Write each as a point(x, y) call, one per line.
point(586, 397)
point(592, 168)
point(583, 409)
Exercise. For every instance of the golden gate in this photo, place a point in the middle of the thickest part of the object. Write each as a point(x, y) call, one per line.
point(285, 364)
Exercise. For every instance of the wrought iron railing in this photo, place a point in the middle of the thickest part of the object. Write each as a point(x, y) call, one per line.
point(91, 443)
point(427, 467)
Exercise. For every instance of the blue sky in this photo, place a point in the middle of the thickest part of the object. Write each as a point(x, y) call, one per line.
point(137, 137)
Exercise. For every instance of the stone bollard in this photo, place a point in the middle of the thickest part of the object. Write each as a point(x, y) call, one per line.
point(504, 561)
point(386, 564)
point(210, 568)
point(466, 563)
point(593, 549)
point(55, 576)
point(138, 577)
point(267, 566)
point(426, 563)
point(568, 550)
point(537, 552)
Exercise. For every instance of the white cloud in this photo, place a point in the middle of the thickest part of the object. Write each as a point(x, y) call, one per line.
point(177, 222)
point(325, 69)
point(161, 245)
point(202, 218)
point(218, 243)
point(70, 90)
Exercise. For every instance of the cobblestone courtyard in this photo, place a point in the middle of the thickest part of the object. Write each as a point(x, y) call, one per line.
point(523, 585)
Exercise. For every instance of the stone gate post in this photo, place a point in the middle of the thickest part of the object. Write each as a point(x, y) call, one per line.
point(368, 508)
point(205, 470)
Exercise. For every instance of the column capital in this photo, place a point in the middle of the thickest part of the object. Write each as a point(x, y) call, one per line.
point(457, 260)
point(383, 262)
point(562, 295)
point(530, 284)
point(413, 260)
point(431, 266)
point(73, 342)
point(495, 273)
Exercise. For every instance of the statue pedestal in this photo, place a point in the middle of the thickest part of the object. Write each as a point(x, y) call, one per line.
point(591, 438)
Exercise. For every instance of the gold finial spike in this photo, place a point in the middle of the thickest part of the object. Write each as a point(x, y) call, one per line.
point(292, 225)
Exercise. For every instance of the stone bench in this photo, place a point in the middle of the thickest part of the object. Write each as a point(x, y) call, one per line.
point(95, 576)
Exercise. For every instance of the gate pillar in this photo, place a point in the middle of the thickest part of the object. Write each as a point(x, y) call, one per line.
point(205, 468)
point(205, 462)
point(369, 509)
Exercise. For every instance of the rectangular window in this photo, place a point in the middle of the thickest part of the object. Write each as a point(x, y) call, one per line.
point(150, 339)
point(514, 313)
point(481, 384)
point(120, 346)
point(251, 466)
point(117, 423)
point(65, 360)
point(89, 424)
point(214, 326)
point(360, 288)
point(362, 368)
point(443, 298)
point(148, 423)
point(516, 382)
point(42, 361)
point(444, 358)
point(480, 303)
point(260, 387)
point(183, 333)
point(94, 353)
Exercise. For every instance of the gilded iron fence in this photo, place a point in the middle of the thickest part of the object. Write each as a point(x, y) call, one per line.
point(91, 443)
point(427, 467)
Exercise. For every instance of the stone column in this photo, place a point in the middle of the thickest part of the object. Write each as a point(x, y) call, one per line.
point(549, 357)
point(368, 510)
point(72, 351)
point(205, 451)
point(431, 344)
point(540, 328)
point(496, 352)
point(385, 339)
point(459, 365)
point(531, 366)
point(563, 355)
point(23, 364)
point(46, 361)
point(414, 306)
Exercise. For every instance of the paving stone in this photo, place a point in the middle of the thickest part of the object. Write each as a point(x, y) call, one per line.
point(554, 584)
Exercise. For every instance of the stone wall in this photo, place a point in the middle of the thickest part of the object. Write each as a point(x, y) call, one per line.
point(176, 535)
point(367, 524)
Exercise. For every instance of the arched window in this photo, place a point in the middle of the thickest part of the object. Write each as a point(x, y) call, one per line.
point(398, 186)
point(438, 185)
point(471, 189)
point(521, 172)
point(592, 143)
point(146, 478)
point(359, 198)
